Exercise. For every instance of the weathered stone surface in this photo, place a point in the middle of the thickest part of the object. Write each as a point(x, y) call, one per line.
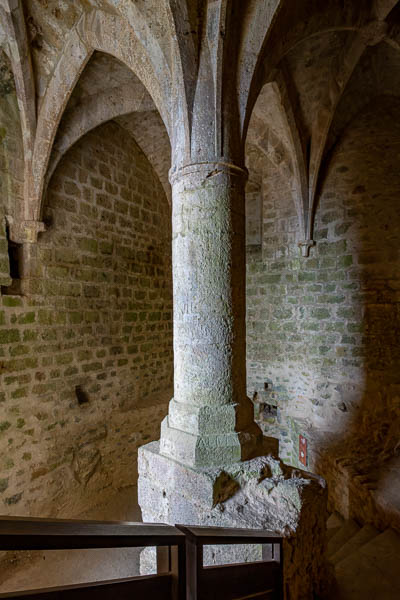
point(210, 420)
point(312, 87)
point(322, 333)
point(259, 493)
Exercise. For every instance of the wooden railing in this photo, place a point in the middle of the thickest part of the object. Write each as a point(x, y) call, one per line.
point(261, 580)
point(42, 534)
point(180, 571)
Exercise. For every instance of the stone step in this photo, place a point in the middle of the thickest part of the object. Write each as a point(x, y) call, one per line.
point(333, 524)
point(341, 537)
point(334, 520)
point(373, 572)
point(363, 536)
point(331, 532)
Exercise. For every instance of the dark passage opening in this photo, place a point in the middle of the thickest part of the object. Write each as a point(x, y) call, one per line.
point(15, 260)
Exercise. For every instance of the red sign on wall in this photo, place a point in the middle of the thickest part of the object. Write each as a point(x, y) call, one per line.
point(303, 450)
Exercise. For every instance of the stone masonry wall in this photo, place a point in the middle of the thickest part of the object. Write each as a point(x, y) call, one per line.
point(89, 344)
point(323, 331)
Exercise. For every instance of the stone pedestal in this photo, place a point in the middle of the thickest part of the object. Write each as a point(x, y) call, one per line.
point(261, 493)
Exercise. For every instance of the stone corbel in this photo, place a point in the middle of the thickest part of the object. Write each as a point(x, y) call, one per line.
point(24, 232)
point(305, 246)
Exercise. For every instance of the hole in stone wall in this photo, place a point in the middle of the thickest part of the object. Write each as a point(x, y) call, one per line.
point(15, 262)
point(81, 395)
point(270, 410)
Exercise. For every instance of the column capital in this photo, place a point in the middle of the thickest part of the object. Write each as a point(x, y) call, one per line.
point(207, 169)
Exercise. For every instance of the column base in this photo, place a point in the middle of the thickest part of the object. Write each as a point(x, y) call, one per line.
point(207, 435)
point(209, 449)
point(261, 493)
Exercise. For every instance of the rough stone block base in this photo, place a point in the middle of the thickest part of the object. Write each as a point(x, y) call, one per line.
point(261, 493)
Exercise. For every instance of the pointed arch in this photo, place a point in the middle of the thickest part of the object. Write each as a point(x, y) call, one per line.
point(95, 111)
point(12, 18)
point(74, 57)
point(95, 31)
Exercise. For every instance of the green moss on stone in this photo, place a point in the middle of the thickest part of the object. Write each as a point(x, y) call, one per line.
point(8, 336)
point(12, 301)
point(13, 499)
point(4, 425)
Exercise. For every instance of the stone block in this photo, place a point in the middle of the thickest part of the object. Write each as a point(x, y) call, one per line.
point(209, 448)
point(261, 493)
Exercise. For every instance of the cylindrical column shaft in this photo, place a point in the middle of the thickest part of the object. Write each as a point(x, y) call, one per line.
point(210, 420)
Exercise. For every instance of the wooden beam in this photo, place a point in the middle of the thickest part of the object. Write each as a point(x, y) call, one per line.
point(151, 586)
point(42, 534)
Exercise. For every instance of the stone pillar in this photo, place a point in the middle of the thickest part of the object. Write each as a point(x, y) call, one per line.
point(210, 420)
point(207, 468)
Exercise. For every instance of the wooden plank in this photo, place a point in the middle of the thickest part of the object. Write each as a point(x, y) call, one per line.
point(151, 586)
point(163, 559)
point(178, 572)
point(232, 582)
point(43, 534)
point(221, 535)
point(194, 566)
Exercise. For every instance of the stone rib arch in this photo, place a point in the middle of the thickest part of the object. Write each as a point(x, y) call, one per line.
point(96, 31)
point(370, 35)
point(275, 133)
point(185, 56)
point(263, 28)
point(259, 18)
point(365, 32)
point(103, 32)
point(95, 111)
point(12, 17)
point(298, 155)
point(74, 57)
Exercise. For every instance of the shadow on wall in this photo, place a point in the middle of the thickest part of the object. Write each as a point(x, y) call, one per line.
point(364, 459)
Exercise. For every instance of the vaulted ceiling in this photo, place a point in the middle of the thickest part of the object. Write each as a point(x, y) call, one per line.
point(304, 70)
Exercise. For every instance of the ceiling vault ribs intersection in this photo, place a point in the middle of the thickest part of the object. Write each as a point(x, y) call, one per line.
point(202, 64)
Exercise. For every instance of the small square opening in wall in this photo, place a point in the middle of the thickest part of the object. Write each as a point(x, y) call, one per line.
point(15, 262)
point(270, 410)
point(81, 395)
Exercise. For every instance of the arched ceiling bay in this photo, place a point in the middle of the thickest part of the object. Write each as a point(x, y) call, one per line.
point(108, 90)
point(329, 69)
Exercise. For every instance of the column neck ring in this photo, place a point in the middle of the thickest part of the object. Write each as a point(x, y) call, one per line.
point(209, 168)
